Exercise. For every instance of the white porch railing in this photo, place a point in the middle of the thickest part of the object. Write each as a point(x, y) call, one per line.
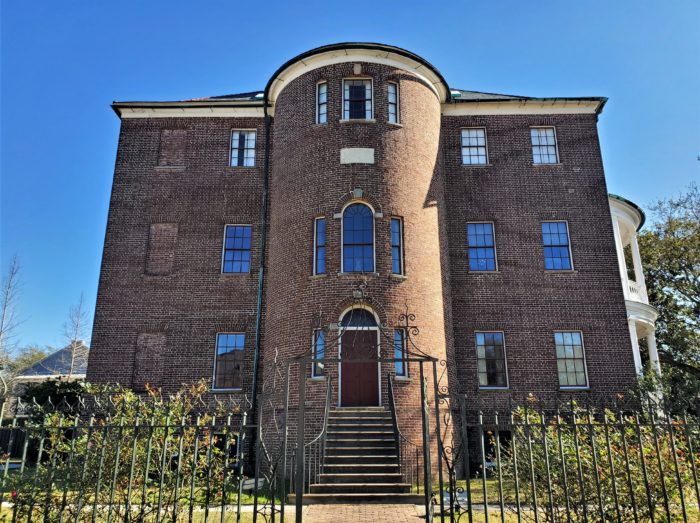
point(637, 292)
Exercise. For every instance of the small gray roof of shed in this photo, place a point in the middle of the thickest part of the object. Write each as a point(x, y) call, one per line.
point(59, 363)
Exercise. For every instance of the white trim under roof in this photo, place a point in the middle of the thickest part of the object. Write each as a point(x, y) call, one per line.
point(185, 111)
point(525, 106)
point(373, 56)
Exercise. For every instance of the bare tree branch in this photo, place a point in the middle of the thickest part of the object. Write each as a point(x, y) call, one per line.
point(75, 329)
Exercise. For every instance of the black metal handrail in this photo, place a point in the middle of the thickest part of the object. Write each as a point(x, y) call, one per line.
point(404, 445)
point(315, 450)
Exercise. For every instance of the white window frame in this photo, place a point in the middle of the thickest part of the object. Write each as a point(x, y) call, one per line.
point(568, 235)
point(388, 103)
point(505, 361)
point(223, 250)
point(495, 249)
point(213, 377)
point(230, 147)
point(486, 146)
point(585, 363)
point(556, 145)
point(342, 239)
point(371, 102)
point(318, 103)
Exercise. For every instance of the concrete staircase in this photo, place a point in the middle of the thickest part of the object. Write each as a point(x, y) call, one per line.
point(362, 463)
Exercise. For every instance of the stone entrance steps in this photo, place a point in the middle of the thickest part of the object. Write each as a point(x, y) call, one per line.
point(361, 464)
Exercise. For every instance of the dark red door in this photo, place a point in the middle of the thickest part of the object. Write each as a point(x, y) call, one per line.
point(359, 379)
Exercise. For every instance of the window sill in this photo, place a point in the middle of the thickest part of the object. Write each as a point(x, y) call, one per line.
point(574, 389)
point(560, 271)
point(400, 277)
point(496, 389)
point(358, 120)
point(478, 165)
point(357, 274)
point(318, 276)
point(233, 274)
point(402, 379)
point(316, 378)
point(232, 168)
point(547, 164)
point(478, 273)
point(225, 391)
point(396, 124)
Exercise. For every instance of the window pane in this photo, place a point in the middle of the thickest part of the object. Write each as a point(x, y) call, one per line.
point(474, 146)
point(400, 365)
point(319, 352)
point(555, 240)
point(544, 145)
point(358, 239)
point(357, 99)
point(320, 246)
point(228, 361)
point(396, 246)
point(236, 255)
point(571, 363)
point(481, 247)
point(491, 363)
point(242, 148)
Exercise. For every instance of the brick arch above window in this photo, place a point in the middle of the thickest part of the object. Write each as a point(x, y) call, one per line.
point(356, 196)
point(346, 303)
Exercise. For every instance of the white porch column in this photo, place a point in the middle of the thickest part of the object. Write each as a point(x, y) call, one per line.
point(620, 256)
point(653, 354)
point(635, 346)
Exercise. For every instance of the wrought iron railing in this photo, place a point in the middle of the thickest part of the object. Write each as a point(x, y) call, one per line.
point(408, 452)
point(314, 450)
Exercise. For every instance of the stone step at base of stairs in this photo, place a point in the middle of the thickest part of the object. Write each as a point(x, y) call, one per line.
point(398, 499)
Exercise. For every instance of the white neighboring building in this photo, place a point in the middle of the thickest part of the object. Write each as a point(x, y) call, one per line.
point(628, 219)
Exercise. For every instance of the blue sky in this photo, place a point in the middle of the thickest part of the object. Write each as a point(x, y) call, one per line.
point(64, 62)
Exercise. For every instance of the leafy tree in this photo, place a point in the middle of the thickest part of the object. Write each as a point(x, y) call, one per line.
point(670, 250)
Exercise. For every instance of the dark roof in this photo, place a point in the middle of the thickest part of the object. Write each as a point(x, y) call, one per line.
point(642, 216)
point(359, 45)
point(243, 97)
point(480, 96)
point(59, 363)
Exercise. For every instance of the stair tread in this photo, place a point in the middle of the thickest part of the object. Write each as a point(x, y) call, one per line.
point(351, 485)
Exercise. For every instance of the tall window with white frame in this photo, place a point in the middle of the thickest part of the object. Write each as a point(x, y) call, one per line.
point(400, 363)
point(320, 246)
point(474, 150)
point(228, 362)
point(557, 249)
point(236, 255)
point(544, 145)
point(571, 360)
point(393, 101)
point(491, 360)
point(242, 148)
point(321, 102)
point(357, 99)
point(397, 264)
point(358, 238)
point(481, 247)
point(319, 353)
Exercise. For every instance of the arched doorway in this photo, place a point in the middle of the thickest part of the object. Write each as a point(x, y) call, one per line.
point(359, 366)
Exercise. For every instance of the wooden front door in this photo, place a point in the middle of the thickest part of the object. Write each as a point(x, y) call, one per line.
point(359, 379)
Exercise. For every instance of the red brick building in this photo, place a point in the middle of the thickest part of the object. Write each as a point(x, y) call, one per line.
point(241, 226)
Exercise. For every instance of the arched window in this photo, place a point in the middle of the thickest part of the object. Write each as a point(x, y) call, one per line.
point(358, 318)
point(358, 238)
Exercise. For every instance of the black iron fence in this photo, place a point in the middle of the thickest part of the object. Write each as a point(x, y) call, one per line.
point(570, 464)
point(126, 458)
